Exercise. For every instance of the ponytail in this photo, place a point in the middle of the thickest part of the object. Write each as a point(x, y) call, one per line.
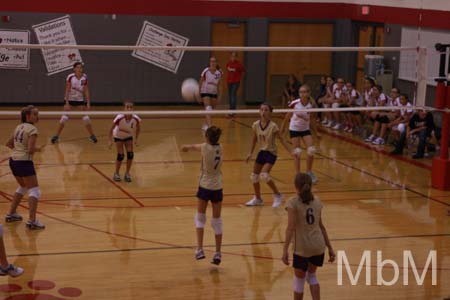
point(303, 185)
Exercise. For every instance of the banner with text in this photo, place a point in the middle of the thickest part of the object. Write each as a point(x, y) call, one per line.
point(58, 31)
point(153, 35)
point(13, 58)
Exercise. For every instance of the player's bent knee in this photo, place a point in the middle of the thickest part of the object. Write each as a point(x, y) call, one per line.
point(35, 192)
point(130, 155)
point(120, 156)
point(216, 224)
point(311, 150)
point(299, 284)
point(298, 151)
point(200, 220)
point(21, 190)
point(312, 279)
point(86, 120)
point(264, 177)
point(63, 119)
point(254, 178)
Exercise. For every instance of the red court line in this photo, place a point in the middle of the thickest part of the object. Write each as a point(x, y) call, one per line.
point(381, 151)
point(117, 186)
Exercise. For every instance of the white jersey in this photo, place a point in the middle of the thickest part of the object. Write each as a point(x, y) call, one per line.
point(210, 81)
point(124, 128)
point(405, 108)
point(297, 122)
point(211, 168)
point(338, 92)
point(77, 87)
point(368, 96)
point(355, 98)
point(381, 100)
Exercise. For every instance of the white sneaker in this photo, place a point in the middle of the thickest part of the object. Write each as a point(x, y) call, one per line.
point(350, 130)
point(378, 141)
point(325, 121)
point(277, 200)
point(36, 225)
point(337, 126)
point(11, 270)
point(329, 124)
point(199, 254)
point(217, 259)
point(370, 138)
point(255, 202)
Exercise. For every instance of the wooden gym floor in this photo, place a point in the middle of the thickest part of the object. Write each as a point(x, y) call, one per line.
point(107, 240)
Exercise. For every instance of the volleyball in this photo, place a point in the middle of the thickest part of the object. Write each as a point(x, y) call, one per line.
point(189, 89)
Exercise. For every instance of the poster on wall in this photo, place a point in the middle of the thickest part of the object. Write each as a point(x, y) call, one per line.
point(58, 31)
point(153, 35)
point(14, 58)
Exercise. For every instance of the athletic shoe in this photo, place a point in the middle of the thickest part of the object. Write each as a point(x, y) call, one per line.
point(329, 124)
point(346, 128)
point(314, 179)
point(325, 121)
point(15, 217)
point(36, 225)
point(93, 138)
point(277, 200)
point(116, 177)
point(370, 138)
point(255, 202)
point(127, 178)
point(350, 130)
point(11, 270)
point(199, 254)
point(54, 139)
point(337, 126)
point(378, 141)
point(217, 258)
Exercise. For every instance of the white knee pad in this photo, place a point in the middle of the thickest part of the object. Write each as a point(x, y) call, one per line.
point(298, 151)
point(216, 224)
point(63, 119)
point(254, 178)
point(86, 120)
point(200, 220)
point(21, 190)
point(311, 278)
point(401, 127)
point(311, 150)
point(299, 284)
point(209, 107)
point(1, 230)
point(335, 105)
point(264, 177)
point(34, 192)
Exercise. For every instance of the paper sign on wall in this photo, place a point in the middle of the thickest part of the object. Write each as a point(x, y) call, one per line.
point(153, 35)
point(14, 58)
point(58, 31)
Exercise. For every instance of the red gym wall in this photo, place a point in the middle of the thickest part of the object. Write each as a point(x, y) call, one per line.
point(435, 15)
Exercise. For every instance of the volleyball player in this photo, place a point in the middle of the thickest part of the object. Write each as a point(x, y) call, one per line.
point(23, 145)
point(210, 88)
point(265, 132)
point(305, 225)
point(300, 129)
point(380, 118)
point(77, 97)
point(210, 189)
point(122, 133)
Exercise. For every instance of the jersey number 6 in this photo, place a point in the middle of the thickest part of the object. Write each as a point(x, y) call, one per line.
point(310, 216)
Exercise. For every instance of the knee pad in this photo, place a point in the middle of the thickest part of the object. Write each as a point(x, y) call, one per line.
point(200, 220)
point(120, 156)
point(34, 192)
point(335, 105)
point(299, 284)
point(298, 151)
point(63, 119)
point(86, 120)
point(401, 127)
point(209, 107)
point(311, 150)
point(254, 178)
point(21, 190)
point(1, 230)
point(216, 224)
point(311, 278)
point(264, 177)
point(130, 155)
